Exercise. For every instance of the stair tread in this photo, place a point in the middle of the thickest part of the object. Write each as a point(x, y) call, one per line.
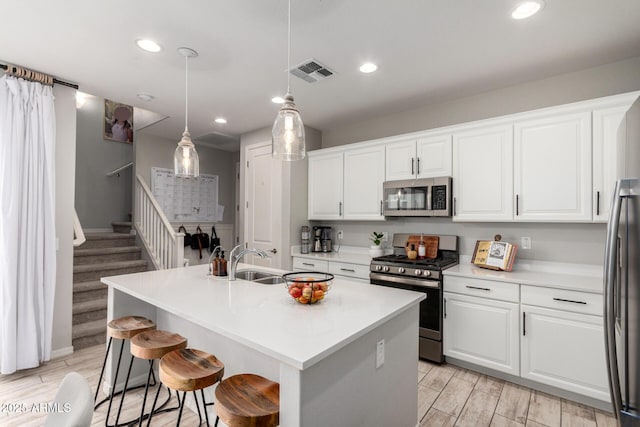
point(92, 285)
point(107, 236)
point(122, 223)
point(106, 251)
point(91, 305)
point(109, 266)
point(90, 328)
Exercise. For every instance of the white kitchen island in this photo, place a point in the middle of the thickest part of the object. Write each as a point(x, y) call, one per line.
point(323, 355)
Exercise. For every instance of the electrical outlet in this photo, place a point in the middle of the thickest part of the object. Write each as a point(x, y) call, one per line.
point(526, 243)
point(385, 236)
point(340, 234)
point(380, 353)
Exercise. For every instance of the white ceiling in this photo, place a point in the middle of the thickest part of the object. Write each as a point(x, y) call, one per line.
point(428, 51)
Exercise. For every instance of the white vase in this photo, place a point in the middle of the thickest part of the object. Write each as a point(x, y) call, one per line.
point(375, 251)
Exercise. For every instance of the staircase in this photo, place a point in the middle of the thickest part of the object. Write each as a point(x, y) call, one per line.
point(103, 254)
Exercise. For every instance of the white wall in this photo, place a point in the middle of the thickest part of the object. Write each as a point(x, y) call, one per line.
point(65, 105)
point(579, 243)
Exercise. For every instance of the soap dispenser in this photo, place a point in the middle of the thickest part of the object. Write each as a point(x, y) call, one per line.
point(223, 265)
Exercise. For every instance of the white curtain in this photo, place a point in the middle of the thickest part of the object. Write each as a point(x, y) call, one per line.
point(27, 223)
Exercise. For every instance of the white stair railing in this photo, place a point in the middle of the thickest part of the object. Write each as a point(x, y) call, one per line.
point(78, 233)
point(163, 243)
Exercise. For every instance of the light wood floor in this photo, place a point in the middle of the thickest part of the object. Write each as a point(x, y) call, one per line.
point(447, 396)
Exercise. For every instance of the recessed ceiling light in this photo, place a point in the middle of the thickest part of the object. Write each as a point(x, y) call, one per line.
point(368, 67)
point(220, 120)
point(277, 100)
point(527, 9)
point(145, 97)
point(148, 45)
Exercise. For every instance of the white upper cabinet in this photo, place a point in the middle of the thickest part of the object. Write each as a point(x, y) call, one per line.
point(325, 185)
point(483, 174)
point(363, 178)
point(552, 168)
point(606, 134)
point(423, 157)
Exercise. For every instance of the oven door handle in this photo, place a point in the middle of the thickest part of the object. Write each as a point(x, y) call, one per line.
point(432, 284)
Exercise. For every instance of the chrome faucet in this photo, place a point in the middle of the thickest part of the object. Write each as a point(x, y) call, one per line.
point(213, 254)
point(234, 259)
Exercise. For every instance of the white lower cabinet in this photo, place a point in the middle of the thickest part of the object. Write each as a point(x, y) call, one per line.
point(565, 350)
point(482, 331)
point(337, 268)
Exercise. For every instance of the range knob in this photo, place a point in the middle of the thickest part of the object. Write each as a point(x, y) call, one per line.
point(378, 267)
point(401, 270)
point(385, 269)
point(426, 273)
point(417, 272)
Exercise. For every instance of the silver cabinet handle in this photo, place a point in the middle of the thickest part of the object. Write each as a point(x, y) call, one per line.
point(597, 203)
point(480, 289)
point(339, 208)
point(454, 206)
point(568, 300)
point(412, 170)
point(274, 251)
point(517, 203)
point(309, 264)
point(524, 324)
point(348, 269)
point(381, 203)
point(418, 165)
point(445, 308)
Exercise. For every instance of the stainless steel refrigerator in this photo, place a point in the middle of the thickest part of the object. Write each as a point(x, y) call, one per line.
point(622, 277)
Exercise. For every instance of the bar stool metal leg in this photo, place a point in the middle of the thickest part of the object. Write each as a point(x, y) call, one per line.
point(146, 390)
point(184, 397)
point(204, 404)
point(124, 392)
point(104, 363)
point(113, 386)
point(195, 397)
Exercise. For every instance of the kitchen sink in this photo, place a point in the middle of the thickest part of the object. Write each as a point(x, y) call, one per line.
point(257, 276)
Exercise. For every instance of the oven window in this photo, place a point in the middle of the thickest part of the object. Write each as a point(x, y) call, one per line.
point(430, 308)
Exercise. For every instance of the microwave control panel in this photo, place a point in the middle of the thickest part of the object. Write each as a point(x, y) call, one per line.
point(439, 197)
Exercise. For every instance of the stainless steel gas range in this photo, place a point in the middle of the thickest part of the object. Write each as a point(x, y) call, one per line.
point(420, 275)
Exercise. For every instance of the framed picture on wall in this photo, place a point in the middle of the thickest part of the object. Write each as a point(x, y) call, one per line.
point(118, 121)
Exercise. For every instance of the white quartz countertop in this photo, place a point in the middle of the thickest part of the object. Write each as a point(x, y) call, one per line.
point(572, 277)
point(264, 317)
point(347, 254)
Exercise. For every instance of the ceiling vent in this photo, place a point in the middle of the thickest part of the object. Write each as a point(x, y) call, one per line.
point(311, 71)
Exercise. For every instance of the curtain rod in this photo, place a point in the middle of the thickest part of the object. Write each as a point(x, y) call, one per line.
point(55, 81)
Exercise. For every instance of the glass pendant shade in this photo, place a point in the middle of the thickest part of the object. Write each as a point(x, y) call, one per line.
point(287, 135)
point(185, 159)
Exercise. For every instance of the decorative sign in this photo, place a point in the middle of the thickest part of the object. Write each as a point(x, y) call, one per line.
point(186, 199)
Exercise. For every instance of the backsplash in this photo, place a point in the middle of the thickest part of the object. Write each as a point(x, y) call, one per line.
point(572, 243)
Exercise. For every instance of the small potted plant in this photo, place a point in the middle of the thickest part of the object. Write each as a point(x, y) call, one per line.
point(376, 248)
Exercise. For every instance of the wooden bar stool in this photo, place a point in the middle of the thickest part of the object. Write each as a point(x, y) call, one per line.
point(189, 370)
point(248, 400)
point(122, 328)
point(150, 345)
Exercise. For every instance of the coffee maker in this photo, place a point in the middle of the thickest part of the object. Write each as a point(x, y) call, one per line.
point(322, 239)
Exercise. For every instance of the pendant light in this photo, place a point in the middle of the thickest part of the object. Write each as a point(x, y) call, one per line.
point(185, 160)
point(287, 135)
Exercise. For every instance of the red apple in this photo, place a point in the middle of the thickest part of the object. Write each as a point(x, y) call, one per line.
point(295, 292)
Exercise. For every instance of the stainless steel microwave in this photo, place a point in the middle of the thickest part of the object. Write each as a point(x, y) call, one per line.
point(417, 197)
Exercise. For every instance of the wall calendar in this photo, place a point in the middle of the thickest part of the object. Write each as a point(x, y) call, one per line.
point(186, 199)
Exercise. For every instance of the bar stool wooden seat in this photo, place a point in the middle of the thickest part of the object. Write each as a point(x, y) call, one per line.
point(189, 370)
point(248, 400)
point(122, 328)
point(150, 345)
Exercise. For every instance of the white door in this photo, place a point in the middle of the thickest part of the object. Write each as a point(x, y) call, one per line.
point(325, 186)
point(483, 174)
point(434, 156)
point(482, 331)
point(606, 130)
point(552, 168)
point(363, 179)
point(401, 160)
point(565, 350)
point(263, 205)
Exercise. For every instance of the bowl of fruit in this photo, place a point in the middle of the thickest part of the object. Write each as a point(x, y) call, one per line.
point(308, 287)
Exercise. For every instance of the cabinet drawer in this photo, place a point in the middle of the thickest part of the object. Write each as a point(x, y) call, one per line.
point(503, 291)
point(350, 270)
point(575, 301)
point(306, 264)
